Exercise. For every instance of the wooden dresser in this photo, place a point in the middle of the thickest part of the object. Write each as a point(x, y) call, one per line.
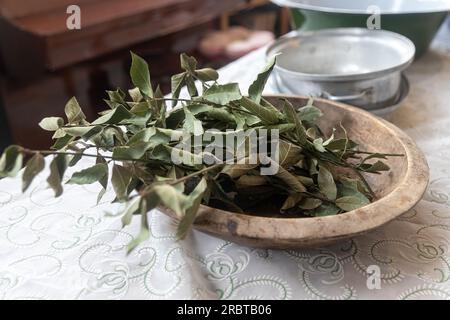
point(44, 63)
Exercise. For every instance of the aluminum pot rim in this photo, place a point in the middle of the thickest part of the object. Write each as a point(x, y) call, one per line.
point(342, 77)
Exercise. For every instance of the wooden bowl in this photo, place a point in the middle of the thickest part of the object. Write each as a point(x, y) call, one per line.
point(397, 190)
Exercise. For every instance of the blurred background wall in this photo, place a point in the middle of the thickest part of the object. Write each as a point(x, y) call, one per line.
point(43, 63)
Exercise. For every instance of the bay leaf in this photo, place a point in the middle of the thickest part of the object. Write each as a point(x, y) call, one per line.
point(61, 143)
point(180, 156)
point(326, 209)
point(307, 181)
point(309, 113)
point(192, 88)
point(291, 201)
point(349, 203)
point(11, 161)
point(256, 88)
point(33, 167)
point(74, 113)
point(86, 132)
point(178, 81)
point(207, 74)
point(281, 127)
point(191, 207)
point(132, 209)
point(222, 94)
point(192, 124)
point(171, 198)
point(121, 179)
point(375, 167)
point(58, 167)
point(318, 145)
point(267, 116)
point(140, 75)
point(290, 180)
point(235, 171)
point(248, 180)
point(114, 116)
point(310, 203)
point(145, 205)
point(89, 175)
point(221, 115)
point(140, 109)
point(289, 154)
point(143, 135)
point(326, 183)
point(291, 116)
point(75, 159)
point(341, 144)
point(135, 94)
point(188, 63)
point(51, 123)
point(134, 152)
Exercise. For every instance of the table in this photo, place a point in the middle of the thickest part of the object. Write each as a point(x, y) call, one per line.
point(70, 248)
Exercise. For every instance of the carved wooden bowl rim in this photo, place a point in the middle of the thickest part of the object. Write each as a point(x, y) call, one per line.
point(283, 233)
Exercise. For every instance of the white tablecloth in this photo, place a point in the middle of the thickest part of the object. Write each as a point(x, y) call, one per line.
point(69, 248)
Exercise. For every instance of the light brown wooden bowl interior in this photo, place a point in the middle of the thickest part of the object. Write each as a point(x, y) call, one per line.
point(398, 190)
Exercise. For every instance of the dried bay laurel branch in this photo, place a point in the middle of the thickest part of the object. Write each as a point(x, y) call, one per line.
point(132, 143)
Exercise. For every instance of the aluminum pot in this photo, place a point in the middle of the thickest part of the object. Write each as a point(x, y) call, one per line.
point(419, 20)
point(357, 66)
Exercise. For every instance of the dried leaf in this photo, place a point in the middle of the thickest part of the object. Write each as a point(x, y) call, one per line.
point(135, 94)
point(192, 124)
point(191, 206)
point(114, 116)
point(192, 88)
point(140, 75)
point(121, 179)
point(58, 167)
point(291, 116)
point(350, 203)
point(256, 88)
point(267, 116)
point(132, 209)
point(178, 81)
point(326, 183)
point(375, 167)
point(73, 112)
point(188, 63)
point(318, 145)
point(61, 143)
point(222, 94)
point(247, 180)
point(51, 123)
point(11, 161)
point(237, 170)
point(33, 167)
point(309, 113)
point(207, 74)
point(133, 152)
point(291, 201)
point(89, 175)
point(145, 205)
point(310, 203)
point(289, 154)
point(290, 180)
point(326, 209)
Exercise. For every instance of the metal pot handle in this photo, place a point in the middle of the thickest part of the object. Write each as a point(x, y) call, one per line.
point(356, 96)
